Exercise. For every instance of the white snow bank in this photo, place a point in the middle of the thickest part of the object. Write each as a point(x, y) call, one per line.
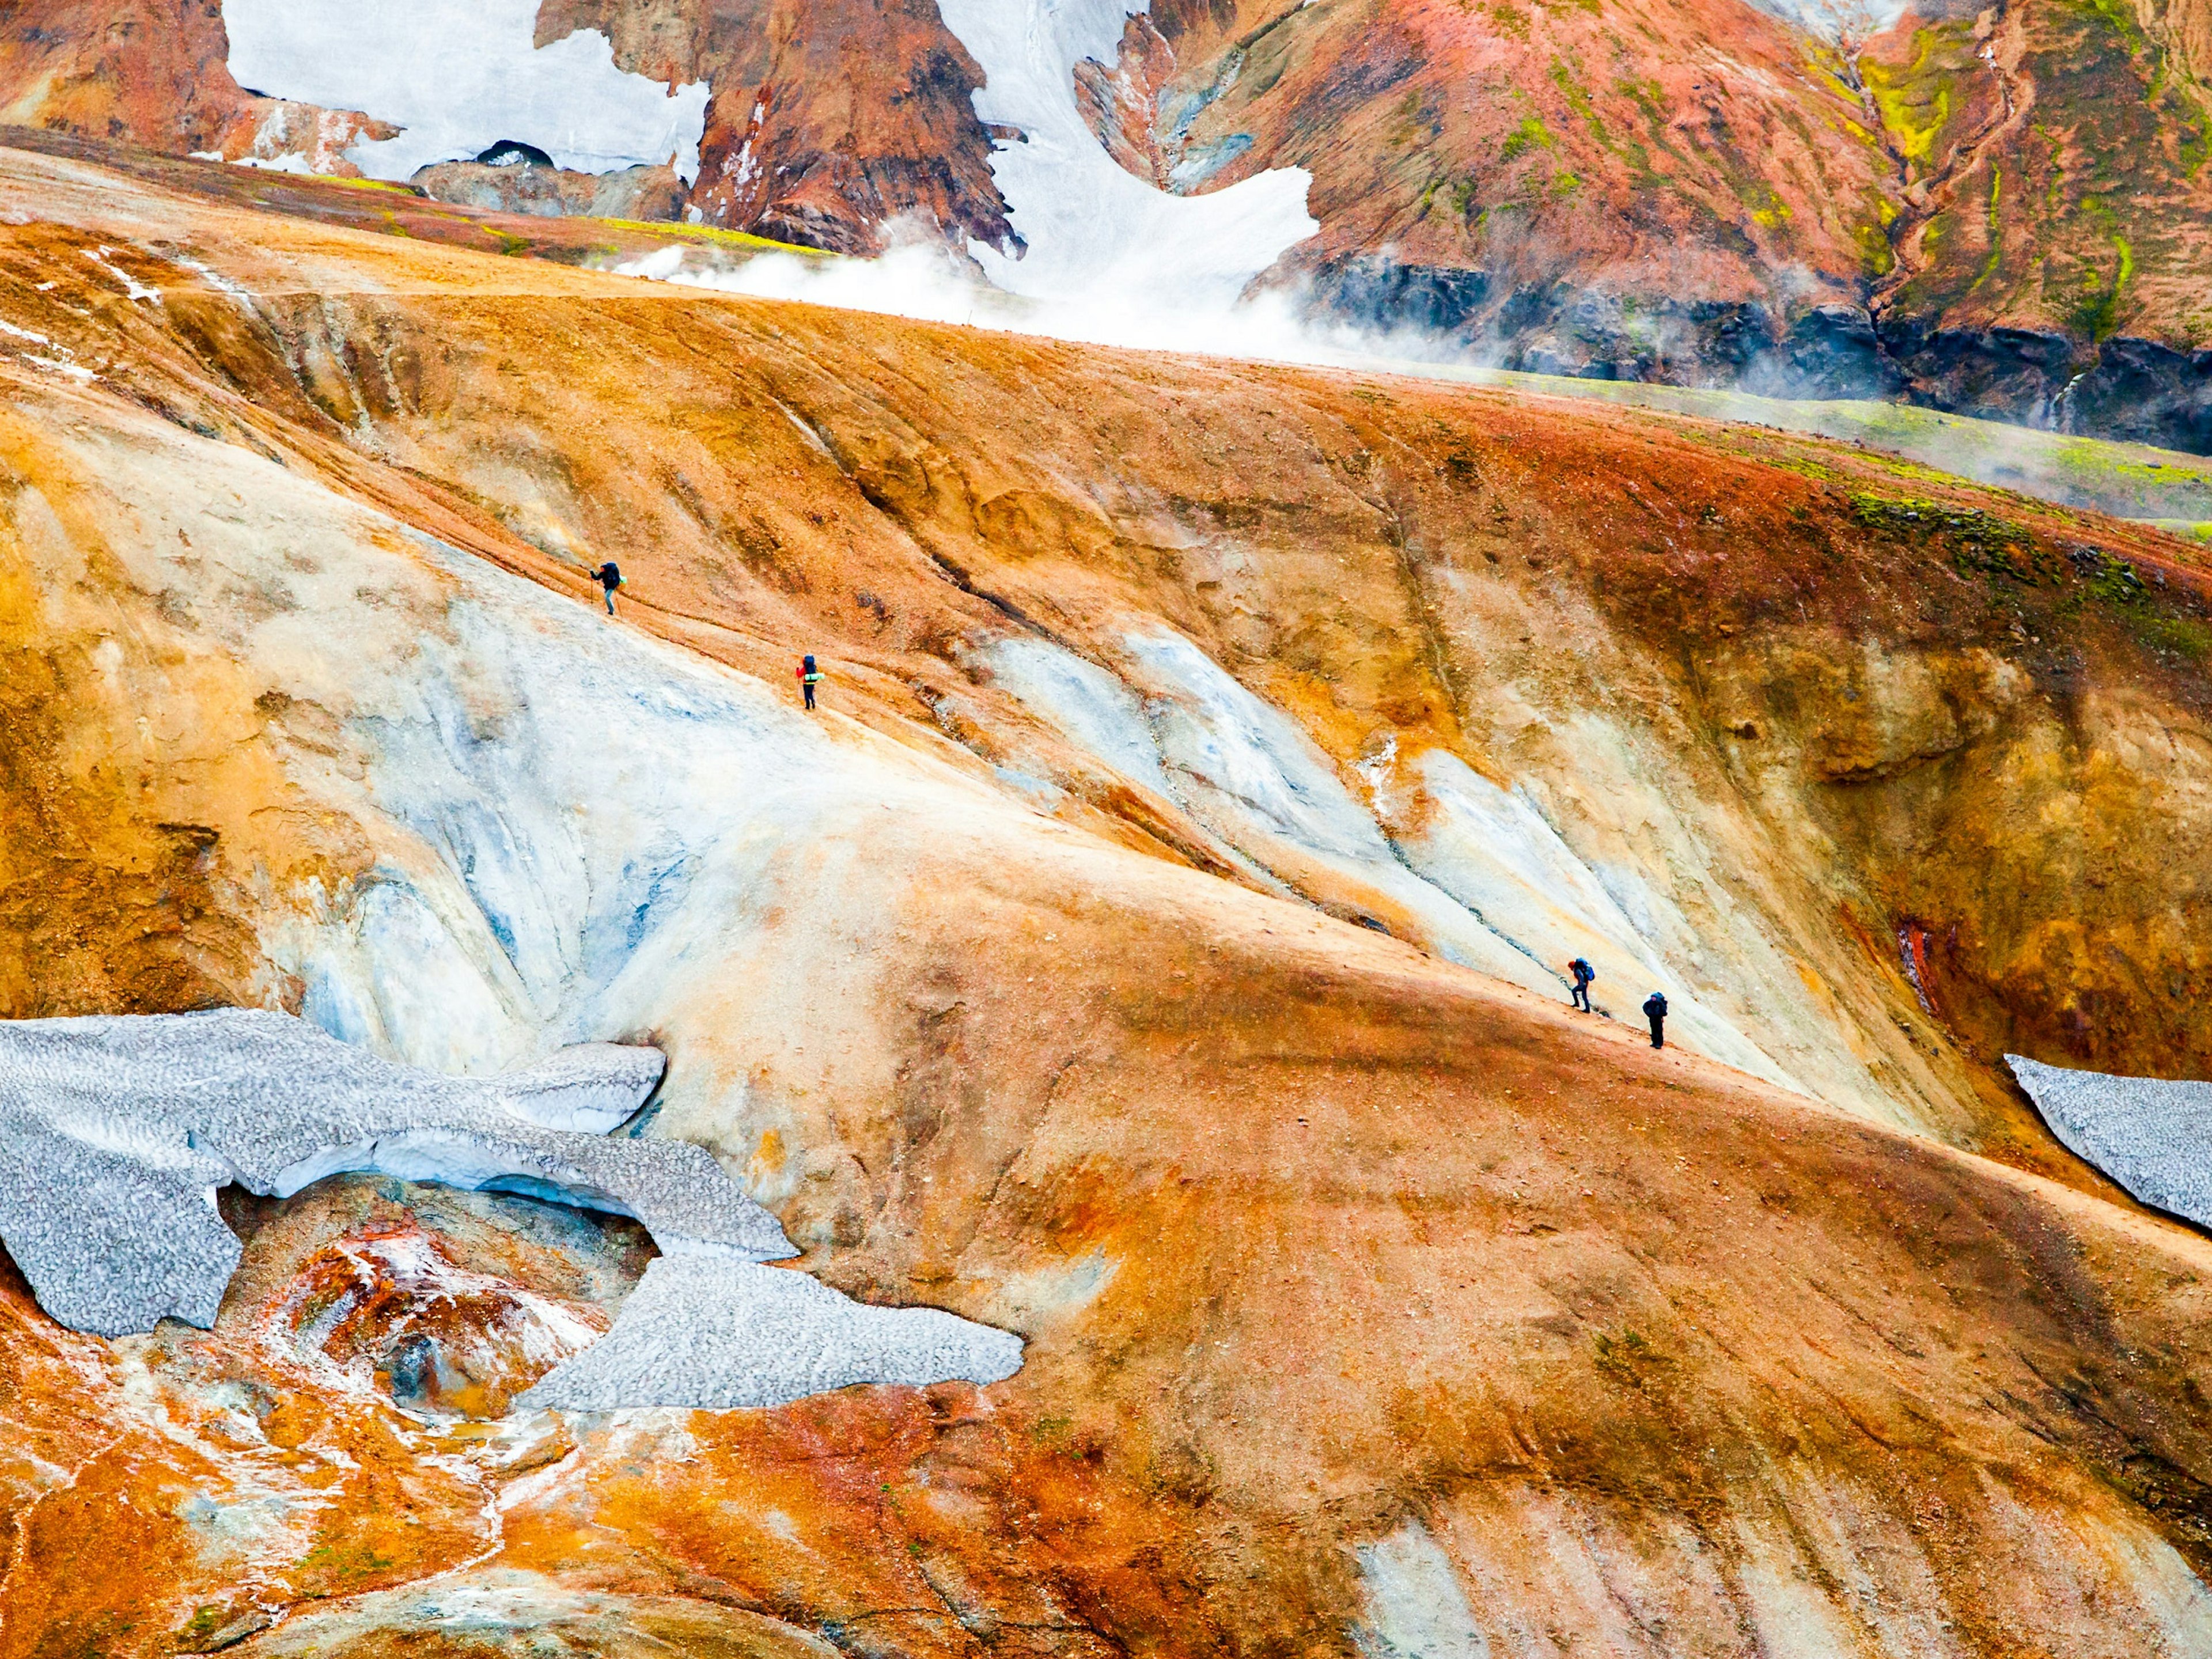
point(1089, 227)
point(458, 79)
point(2152, 1136)
point(114, 1132)
point(706, 1332)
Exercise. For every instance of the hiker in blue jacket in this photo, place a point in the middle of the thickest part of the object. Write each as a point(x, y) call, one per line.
point(1582, 973)
point(1655, 1010)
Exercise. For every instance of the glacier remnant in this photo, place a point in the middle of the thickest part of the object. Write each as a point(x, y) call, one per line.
point(115, 1131)
point(2150, 1135)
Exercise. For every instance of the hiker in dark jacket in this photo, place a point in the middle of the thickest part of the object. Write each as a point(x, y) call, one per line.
point(1583, 974)
point(808, 677)
point(1655, 1010)
point(608, 577)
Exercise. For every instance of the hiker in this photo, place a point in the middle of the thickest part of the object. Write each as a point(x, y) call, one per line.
point(608, 577)
point(1655, 1010)
point(808, 677)
point(1583, 974)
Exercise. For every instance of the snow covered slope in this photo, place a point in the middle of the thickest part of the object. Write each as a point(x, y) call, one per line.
point(458, 79)
point(1090, 227)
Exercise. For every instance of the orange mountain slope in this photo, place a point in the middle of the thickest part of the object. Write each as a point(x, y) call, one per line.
point(1373, 1299)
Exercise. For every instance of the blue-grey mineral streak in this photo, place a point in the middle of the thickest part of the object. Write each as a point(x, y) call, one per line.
point(2153, 1137)
point(116, 1132)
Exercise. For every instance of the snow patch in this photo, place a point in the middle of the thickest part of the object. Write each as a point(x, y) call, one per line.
point(458, 79)
point(114, 1130)
point(1087, 226)
point(703, 1332)
point(2148, 1134)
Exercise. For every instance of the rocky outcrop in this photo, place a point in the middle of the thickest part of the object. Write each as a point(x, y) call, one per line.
point(530, 183)
point(1828, 350)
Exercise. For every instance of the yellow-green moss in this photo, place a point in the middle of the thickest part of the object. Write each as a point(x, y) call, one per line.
point(1996, 229)
point(1915, 103)
point(1531, 134)
point(716, 235)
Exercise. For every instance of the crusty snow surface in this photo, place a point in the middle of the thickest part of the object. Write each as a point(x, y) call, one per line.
point(703, 1331)
point(115, 1133)
point(2152, 1136)
point(1088, 227)
point(457, 78)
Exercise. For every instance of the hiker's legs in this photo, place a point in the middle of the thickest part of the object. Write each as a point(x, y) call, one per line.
point(1658, 1031)
point(809, 696)
point(611, 602)
point(1582, 998)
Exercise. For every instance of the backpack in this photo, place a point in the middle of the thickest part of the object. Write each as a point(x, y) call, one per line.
point(1583, 971)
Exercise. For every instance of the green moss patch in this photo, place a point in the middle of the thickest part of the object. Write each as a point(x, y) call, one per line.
point(1975, 542)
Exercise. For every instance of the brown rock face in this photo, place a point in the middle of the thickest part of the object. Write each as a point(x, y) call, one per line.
point(548, 192)
point(1368, 1300)
point(830, 118)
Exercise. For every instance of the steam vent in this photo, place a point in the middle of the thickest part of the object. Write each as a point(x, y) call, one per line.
point(987, 830)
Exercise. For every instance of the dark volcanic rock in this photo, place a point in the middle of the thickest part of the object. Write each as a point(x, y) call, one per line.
point(1830, 350)
point(1376, 291)
point(2142, 390)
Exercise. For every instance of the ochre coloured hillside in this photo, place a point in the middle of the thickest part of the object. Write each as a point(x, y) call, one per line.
point(1372, 1298)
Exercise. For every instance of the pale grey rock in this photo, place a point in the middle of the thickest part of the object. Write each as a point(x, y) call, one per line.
point(115, 1133)
point(703, 1330)
point(2153, 1137)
